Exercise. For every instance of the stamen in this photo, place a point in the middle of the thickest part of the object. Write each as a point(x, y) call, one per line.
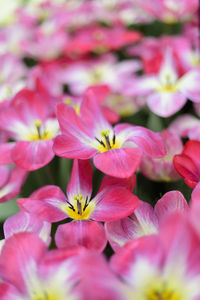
point(38, 124)
point(114, 138)
point(86, 203)
point(101, 142)
point(71, 206)
point(107, 142)
point(79, 207)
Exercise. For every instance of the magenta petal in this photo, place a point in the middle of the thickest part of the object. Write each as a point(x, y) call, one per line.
point(68, 146)
point(33, 155)
point(114, 204)
point(5, 153)
point(118, 162)
point(13, 186)
point(148, 141)
point(88, 234)
point(45, 203)
point(21, 251)
point(146, 248)
point(81, 179)
point(119, 232)
point(128, 183)
point(23, 221)
point(7, 291)
point(141, 222)
point(170, 202)
point(4, 175)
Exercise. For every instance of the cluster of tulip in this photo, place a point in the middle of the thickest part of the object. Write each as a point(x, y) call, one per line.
point(101, 98)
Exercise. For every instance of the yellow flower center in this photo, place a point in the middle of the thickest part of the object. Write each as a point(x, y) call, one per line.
point(172, 88)
point(161, 291)
point(107, 142)
point(39, 134)
point(79, 208)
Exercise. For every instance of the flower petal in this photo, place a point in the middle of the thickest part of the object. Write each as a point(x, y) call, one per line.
point(165, 104)
point(88, 234)
point(170, 202)
point(113, 204)
point(33, 155)
point(22, 250)
point(46, 203)
point(81, 179)
point(5, 153)
point(68, 146)
point(118, 162)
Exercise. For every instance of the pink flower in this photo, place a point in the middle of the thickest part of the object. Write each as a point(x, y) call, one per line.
point(167, 93)
point(144, 220)
point(28, 120)
point(114, 201)
point(33, 273)
point(162, 266)
point(117, 151)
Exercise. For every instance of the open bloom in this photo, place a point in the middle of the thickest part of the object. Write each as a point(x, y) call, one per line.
point(30, 122)
point(167, 92)
point(117, 151)
point(165, 266)
point(33, 273)
point(114, 201)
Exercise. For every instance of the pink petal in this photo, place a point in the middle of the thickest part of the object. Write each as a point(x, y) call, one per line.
point(195, 196)
point(5, 153)
point(179, 239)
point(189, 85)
point(91, 113)
point(113, 204)
point(14, 184)
point(4, 175)
point(141, 222)
point(101, 92)
point(88, 234)
point(109, 114)
point(45, 203)
point(7, 291)
point(170, 202)
point(147, 248)
point(118, 162)
point(23, 221)
point(33, 155)
point(148, 141)
point(21, 250)
point(183, 124)
point(68, 146)
point(70, 122)
point(81, 179)
point(165, 104)
point(109, 181)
